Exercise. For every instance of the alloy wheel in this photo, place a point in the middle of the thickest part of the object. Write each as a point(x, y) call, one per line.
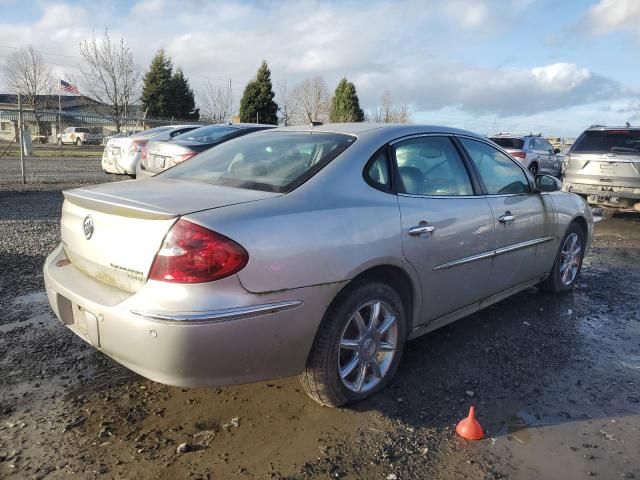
point(570, 257)
point(367, 346)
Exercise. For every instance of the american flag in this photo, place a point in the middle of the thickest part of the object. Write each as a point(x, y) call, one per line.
point(67, 87)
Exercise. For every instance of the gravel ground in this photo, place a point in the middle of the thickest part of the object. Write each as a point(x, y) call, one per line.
point(555, 381)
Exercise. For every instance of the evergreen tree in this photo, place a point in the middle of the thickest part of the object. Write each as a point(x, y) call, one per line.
point(345, 105)
point(257, 102)
point(156, 87)
point(182, 104)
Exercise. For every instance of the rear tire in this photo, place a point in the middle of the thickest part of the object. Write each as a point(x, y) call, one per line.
point(568, 263)
point(358, 346)
point(60, 141)
point(78, 142)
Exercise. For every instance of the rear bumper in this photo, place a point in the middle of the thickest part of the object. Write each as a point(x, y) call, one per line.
point(604, 194)
point(245, 338)
point(143, 173)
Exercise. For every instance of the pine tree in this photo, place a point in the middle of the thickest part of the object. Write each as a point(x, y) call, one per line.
point(156, 87)
point(345, 105)
point(182, 104)
point(257, 104)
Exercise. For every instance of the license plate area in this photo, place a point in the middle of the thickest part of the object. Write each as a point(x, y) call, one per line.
point(158, 161)
point(80, 320)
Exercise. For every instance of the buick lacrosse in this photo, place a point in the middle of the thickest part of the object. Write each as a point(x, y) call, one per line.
point(313, 251)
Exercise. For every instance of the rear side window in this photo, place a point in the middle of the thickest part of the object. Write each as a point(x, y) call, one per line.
point(515, 143)
point(431, 166)
point(498, 172)
point(376, 172)
point(608, 141)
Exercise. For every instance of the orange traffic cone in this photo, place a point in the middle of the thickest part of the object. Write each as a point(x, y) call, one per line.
point(469, 427)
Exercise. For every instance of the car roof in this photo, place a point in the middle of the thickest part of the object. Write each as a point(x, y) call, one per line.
point(606, 127)
point(382, 129)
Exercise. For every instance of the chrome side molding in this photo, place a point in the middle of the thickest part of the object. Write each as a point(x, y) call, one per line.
point(494, 253)
point(213, 316)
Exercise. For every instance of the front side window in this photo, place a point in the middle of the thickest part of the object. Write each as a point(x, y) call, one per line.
point(273, 161)
point(500, 174)
point(431, 166)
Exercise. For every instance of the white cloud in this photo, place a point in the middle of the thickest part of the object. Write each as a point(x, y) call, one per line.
point(610, 15)
point(412, 48)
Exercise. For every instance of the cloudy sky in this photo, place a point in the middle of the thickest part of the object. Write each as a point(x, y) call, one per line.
point(486, 65)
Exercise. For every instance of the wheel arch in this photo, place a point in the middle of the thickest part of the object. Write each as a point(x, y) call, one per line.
point(401, 278)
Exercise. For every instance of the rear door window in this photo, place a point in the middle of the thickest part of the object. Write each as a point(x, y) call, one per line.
point(431, 166)
point(500, 174)
point(621, 142)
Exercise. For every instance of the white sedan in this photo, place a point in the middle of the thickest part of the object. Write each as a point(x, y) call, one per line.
point(122, 154)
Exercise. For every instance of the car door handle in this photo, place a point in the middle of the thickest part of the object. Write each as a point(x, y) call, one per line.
point(506, 218)
point(420, 229)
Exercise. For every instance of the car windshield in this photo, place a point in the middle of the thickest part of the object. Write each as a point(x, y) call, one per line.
point(504, 142)
point(209, 134)
point(608, 141)
point(273, 162)
point(152, 131)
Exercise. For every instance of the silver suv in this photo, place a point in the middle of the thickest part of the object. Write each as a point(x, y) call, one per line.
point(603, 166)
point(535, 153)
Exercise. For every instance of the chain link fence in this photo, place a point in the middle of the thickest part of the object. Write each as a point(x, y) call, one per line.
point(57, 144)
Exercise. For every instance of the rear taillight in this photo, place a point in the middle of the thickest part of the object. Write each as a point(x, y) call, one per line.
point(143, 152)
point(183, 157)
point(194, 254)
point(518, 154)
point(136, 146)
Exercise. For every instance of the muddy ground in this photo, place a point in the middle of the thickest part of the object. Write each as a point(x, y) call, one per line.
point(555, 381)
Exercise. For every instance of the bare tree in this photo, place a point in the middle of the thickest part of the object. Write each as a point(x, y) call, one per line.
point(311, 101)
point(286, 104)
point(215, 103)
point(28, 75)
point(389, 112)
point(110, 76)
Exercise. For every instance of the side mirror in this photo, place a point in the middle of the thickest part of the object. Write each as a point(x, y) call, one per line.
point(547, 183)
point(556, 150)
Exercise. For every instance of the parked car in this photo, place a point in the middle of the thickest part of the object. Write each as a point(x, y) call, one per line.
point(534, 152)
point(311, 251)
point(106, 139)
point(122, 154)
point(158, 155)
point(80, 135)
point(603, 165)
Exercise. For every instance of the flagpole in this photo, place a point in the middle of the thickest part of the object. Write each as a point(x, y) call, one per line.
point(59, 110)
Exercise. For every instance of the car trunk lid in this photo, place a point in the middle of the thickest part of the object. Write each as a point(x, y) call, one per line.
point(160, 154)
point(112, 232)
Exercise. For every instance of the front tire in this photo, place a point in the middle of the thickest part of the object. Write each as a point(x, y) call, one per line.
point(358, 346)
point(568, 263)
point(78, 142)
point(533, 168)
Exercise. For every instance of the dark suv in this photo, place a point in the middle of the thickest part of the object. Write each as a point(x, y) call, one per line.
point(603, 165)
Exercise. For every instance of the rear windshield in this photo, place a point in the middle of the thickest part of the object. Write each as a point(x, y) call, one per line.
point(516, 143)
point(152, 131)
point(209, 134)
point(608, 141)
point(273, 161)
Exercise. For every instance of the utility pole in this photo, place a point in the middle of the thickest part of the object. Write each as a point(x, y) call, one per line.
point(24, 181)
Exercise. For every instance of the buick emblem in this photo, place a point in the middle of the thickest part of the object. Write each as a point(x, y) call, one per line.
point(87, 226)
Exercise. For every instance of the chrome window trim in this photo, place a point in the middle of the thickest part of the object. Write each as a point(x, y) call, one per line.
point(215, 316)
point(494, 253)
point(420, 135)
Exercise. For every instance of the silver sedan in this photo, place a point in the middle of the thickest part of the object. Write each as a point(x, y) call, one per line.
point(311, 251)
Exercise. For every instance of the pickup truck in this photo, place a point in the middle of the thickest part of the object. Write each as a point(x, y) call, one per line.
point(80, 136)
